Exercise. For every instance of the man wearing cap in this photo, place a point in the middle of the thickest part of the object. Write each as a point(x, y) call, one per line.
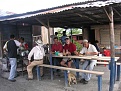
point(68, 49)
point(88, 50)
point(38, 52)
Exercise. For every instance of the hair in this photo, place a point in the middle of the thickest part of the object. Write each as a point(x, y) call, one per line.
point(56, 33)
point(64, 33)
point(56, 38)
point(96, 41)
point(22, 38)
point(12, 36)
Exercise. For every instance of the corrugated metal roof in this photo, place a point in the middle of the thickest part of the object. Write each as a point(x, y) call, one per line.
point(89, 3)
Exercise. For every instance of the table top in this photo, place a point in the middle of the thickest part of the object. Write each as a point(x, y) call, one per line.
point(88, 57)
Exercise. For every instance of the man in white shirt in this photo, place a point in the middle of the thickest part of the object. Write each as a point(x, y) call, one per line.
point(38, 52)
point(88, 50)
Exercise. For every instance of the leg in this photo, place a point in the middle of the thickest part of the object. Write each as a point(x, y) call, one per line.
point(13, 64)
point(118, 72)
point(76, 62)
point(84, 66)
point(69, 64)
point(29, 69)
point(66, 80)
point(90, 67)
point(63, 63)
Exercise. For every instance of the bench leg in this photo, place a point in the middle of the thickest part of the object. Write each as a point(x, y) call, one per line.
point(38, 73)
point(66, 78)
point(51, 73)
point(118, 72)
point(99, 83)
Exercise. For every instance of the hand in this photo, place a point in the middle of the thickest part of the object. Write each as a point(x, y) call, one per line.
point(29, 62)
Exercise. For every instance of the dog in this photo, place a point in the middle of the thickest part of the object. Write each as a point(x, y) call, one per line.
point(71, 79)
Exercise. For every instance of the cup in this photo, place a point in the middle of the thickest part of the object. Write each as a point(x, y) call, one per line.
point(56, 53)
point(100, 55)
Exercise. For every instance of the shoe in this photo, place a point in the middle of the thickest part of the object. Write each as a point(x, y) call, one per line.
point(85, 82)
point(12, 80)
point(42, 75)
point(16, 76)
point(29, 78)
point(82, 80)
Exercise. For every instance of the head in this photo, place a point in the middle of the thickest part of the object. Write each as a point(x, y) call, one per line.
point(21, 39)
point(64, 33)
point(39, 42)
point(56, 33)
point(55, 40)
point(12, 36)
point(67, 40)
point(85, 43)
point(96, 41)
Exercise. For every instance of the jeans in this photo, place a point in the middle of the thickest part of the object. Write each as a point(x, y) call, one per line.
point(88, 65)
point(13, 63)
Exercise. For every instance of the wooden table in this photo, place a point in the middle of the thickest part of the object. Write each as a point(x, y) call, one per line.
point(76, 61)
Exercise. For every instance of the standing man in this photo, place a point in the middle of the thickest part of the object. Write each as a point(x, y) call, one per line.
point(68, 49)
point(11, 47)
point(38, 52)
point(88, 50)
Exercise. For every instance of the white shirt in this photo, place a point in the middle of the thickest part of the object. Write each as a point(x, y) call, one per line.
point(91, 48)
point(16, 42)
point(35, 52)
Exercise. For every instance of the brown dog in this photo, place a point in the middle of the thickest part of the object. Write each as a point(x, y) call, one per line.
point(71, 79)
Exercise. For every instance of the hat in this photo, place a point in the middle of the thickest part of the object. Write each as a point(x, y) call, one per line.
point(39, 42)
point(85, 41)
point(67, 38)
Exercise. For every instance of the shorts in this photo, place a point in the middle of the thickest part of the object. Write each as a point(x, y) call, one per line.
point(66, 59)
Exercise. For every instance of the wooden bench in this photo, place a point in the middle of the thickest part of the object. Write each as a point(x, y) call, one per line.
point(65, 69)
point(118, 68)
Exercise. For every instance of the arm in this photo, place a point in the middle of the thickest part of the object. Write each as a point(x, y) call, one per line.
point(30, 54)
point(5, 46)
point(17, 43)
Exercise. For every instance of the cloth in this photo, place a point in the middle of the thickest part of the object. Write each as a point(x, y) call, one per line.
point(30, 67)
point(57, 47)
point(88, 65)
point(63, 39)
point(91, 48)
point(70, 47)
point(35, 51)
point(13, 63)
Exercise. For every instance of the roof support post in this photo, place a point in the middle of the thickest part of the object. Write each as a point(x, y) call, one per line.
point(112, 43)
point(107, 14)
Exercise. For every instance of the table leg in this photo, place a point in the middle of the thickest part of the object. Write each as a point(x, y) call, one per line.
point(51, 68)
point(118, 72)
point(99, 83)
point(114, 72)
point(66, 78)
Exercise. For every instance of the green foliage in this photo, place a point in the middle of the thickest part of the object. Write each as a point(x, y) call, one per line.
point(74, 31)
point(78, 45)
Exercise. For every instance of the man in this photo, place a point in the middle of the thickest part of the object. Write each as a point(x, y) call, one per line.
point(56, 47)
point(53, 36)
point(38, 52)
point(88, 50)
point(68, 49)
point(11, 47)
point(63, 38)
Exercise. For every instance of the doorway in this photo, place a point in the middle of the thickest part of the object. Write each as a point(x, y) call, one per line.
point(92, 36)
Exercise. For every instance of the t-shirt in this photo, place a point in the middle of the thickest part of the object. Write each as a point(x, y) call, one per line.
point(57, 47)
point(70, 47)
point(91, 48)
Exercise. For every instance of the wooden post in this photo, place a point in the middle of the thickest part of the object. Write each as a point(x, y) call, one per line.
point(112, 43)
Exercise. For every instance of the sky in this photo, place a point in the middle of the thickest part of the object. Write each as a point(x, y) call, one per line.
point(22, 6)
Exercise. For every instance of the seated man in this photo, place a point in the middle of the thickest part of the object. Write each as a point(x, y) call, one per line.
point(56, 47)
point(68, 49)
point(89, 50)
point(38, 52)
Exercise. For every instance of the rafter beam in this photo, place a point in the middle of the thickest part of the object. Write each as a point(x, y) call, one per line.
point(87, 17)
point(42, 23)
point(108, 16)
point(117, 12)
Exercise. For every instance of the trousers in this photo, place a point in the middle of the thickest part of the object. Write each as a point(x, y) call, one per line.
point(88, 65)
point(13, 63)
point(30, 67)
